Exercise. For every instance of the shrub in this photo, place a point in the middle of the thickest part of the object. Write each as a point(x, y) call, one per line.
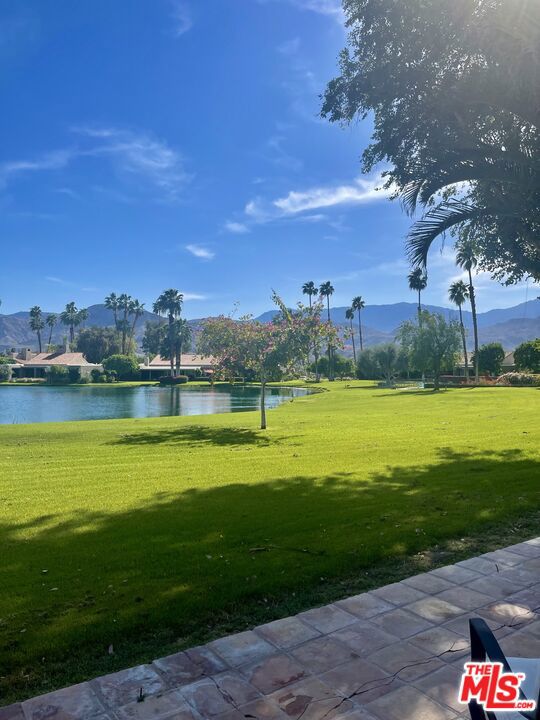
point(490, 358)
point(110, 376)
point(84, 380)
point(170, 380)
point(126, 367)
point(519, 379)
point(96, 375)
point(5, 360)
point(5, 373)
point(58, 375)
point(74, 374)
point(527, 356)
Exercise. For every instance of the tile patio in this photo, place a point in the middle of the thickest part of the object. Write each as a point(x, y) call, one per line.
point(390, 654)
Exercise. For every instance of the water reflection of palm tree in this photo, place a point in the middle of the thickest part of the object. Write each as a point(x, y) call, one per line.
point(174, 401)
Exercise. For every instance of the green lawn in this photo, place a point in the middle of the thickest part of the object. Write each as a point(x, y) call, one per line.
point(148, 535)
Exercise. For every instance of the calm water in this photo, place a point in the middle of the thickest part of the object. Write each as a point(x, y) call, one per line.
point(50, 404)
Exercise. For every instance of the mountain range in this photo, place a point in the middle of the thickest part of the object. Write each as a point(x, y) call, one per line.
point(509, 326)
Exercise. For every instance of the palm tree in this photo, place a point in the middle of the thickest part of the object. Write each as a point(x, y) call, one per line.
point(70, 318)
point(111, 303)
point(326, 290)
point(418, 282)
point(82, 316)
point(358, 304)
point(170, 303)
point(36, 323)
point(310, 289)
point(124, 304)
point(458, 293)
point(183, 340)
point(466, 259)
point(349, 314)
point(51, 321)
point(136, 309)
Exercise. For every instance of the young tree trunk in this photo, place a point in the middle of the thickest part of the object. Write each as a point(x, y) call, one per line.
point(475, 326)
point(463, 340)
point(263, 405)
point(171, 344)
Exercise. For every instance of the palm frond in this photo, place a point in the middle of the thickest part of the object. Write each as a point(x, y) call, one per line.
point(435, 223)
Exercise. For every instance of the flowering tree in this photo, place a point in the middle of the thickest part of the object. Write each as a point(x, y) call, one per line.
point(267, 349)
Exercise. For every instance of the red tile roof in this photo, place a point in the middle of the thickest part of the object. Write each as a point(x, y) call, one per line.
point(70, 359)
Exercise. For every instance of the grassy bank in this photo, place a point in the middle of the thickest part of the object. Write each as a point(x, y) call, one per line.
point(149, 535)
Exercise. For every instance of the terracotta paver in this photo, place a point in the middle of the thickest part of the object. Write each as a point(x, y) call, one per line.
point(242, 648)
point(394, 653)
point(328, 618)
point(274, 673)
point(126, 686)
point(77, 702)
point(288, 632)
point(324, 653)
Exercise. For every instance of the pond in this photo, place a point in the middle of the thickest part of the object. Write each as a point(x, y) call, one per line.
point(24, 404)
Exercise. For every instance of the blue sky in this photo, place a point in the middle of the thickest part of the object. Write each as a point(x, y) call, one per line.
point(175, 143)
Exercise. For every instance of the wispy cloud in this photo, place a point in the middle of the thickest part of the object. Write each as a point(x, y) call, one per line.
point(139, 154)
point(237, 228)
point(200, 252)
point(362, 191)
point(296, 202)
point(181, 17)
point(69, 284)
point(276, 154)
point(289, 47)
point(55, 160)
point(323, 7)
point(136, 156)
point(331, 8)
point(193, 296)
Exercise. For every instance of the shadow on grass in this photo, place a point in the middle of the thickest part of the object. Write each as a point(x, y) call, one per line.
point(179, 564)
point(196, 435)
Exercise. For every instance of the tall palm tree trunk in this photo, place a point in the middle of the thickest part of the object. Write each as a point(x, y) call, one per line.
point(330, 368)
point(124, 332)
point(420, 325)
point(463, 340)
point(39, 339)
point(353, 343)
point(179, 357)
point(171, 343)
point(360, 330)
point(475, 326)
point(50, 335)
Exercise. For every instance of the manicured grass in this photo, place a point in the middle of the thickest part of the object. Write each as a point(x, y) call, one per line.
point(151, 534)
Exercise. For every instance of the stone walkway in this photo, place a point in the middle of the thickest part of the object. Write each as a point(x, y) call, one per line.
point(391, 654)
